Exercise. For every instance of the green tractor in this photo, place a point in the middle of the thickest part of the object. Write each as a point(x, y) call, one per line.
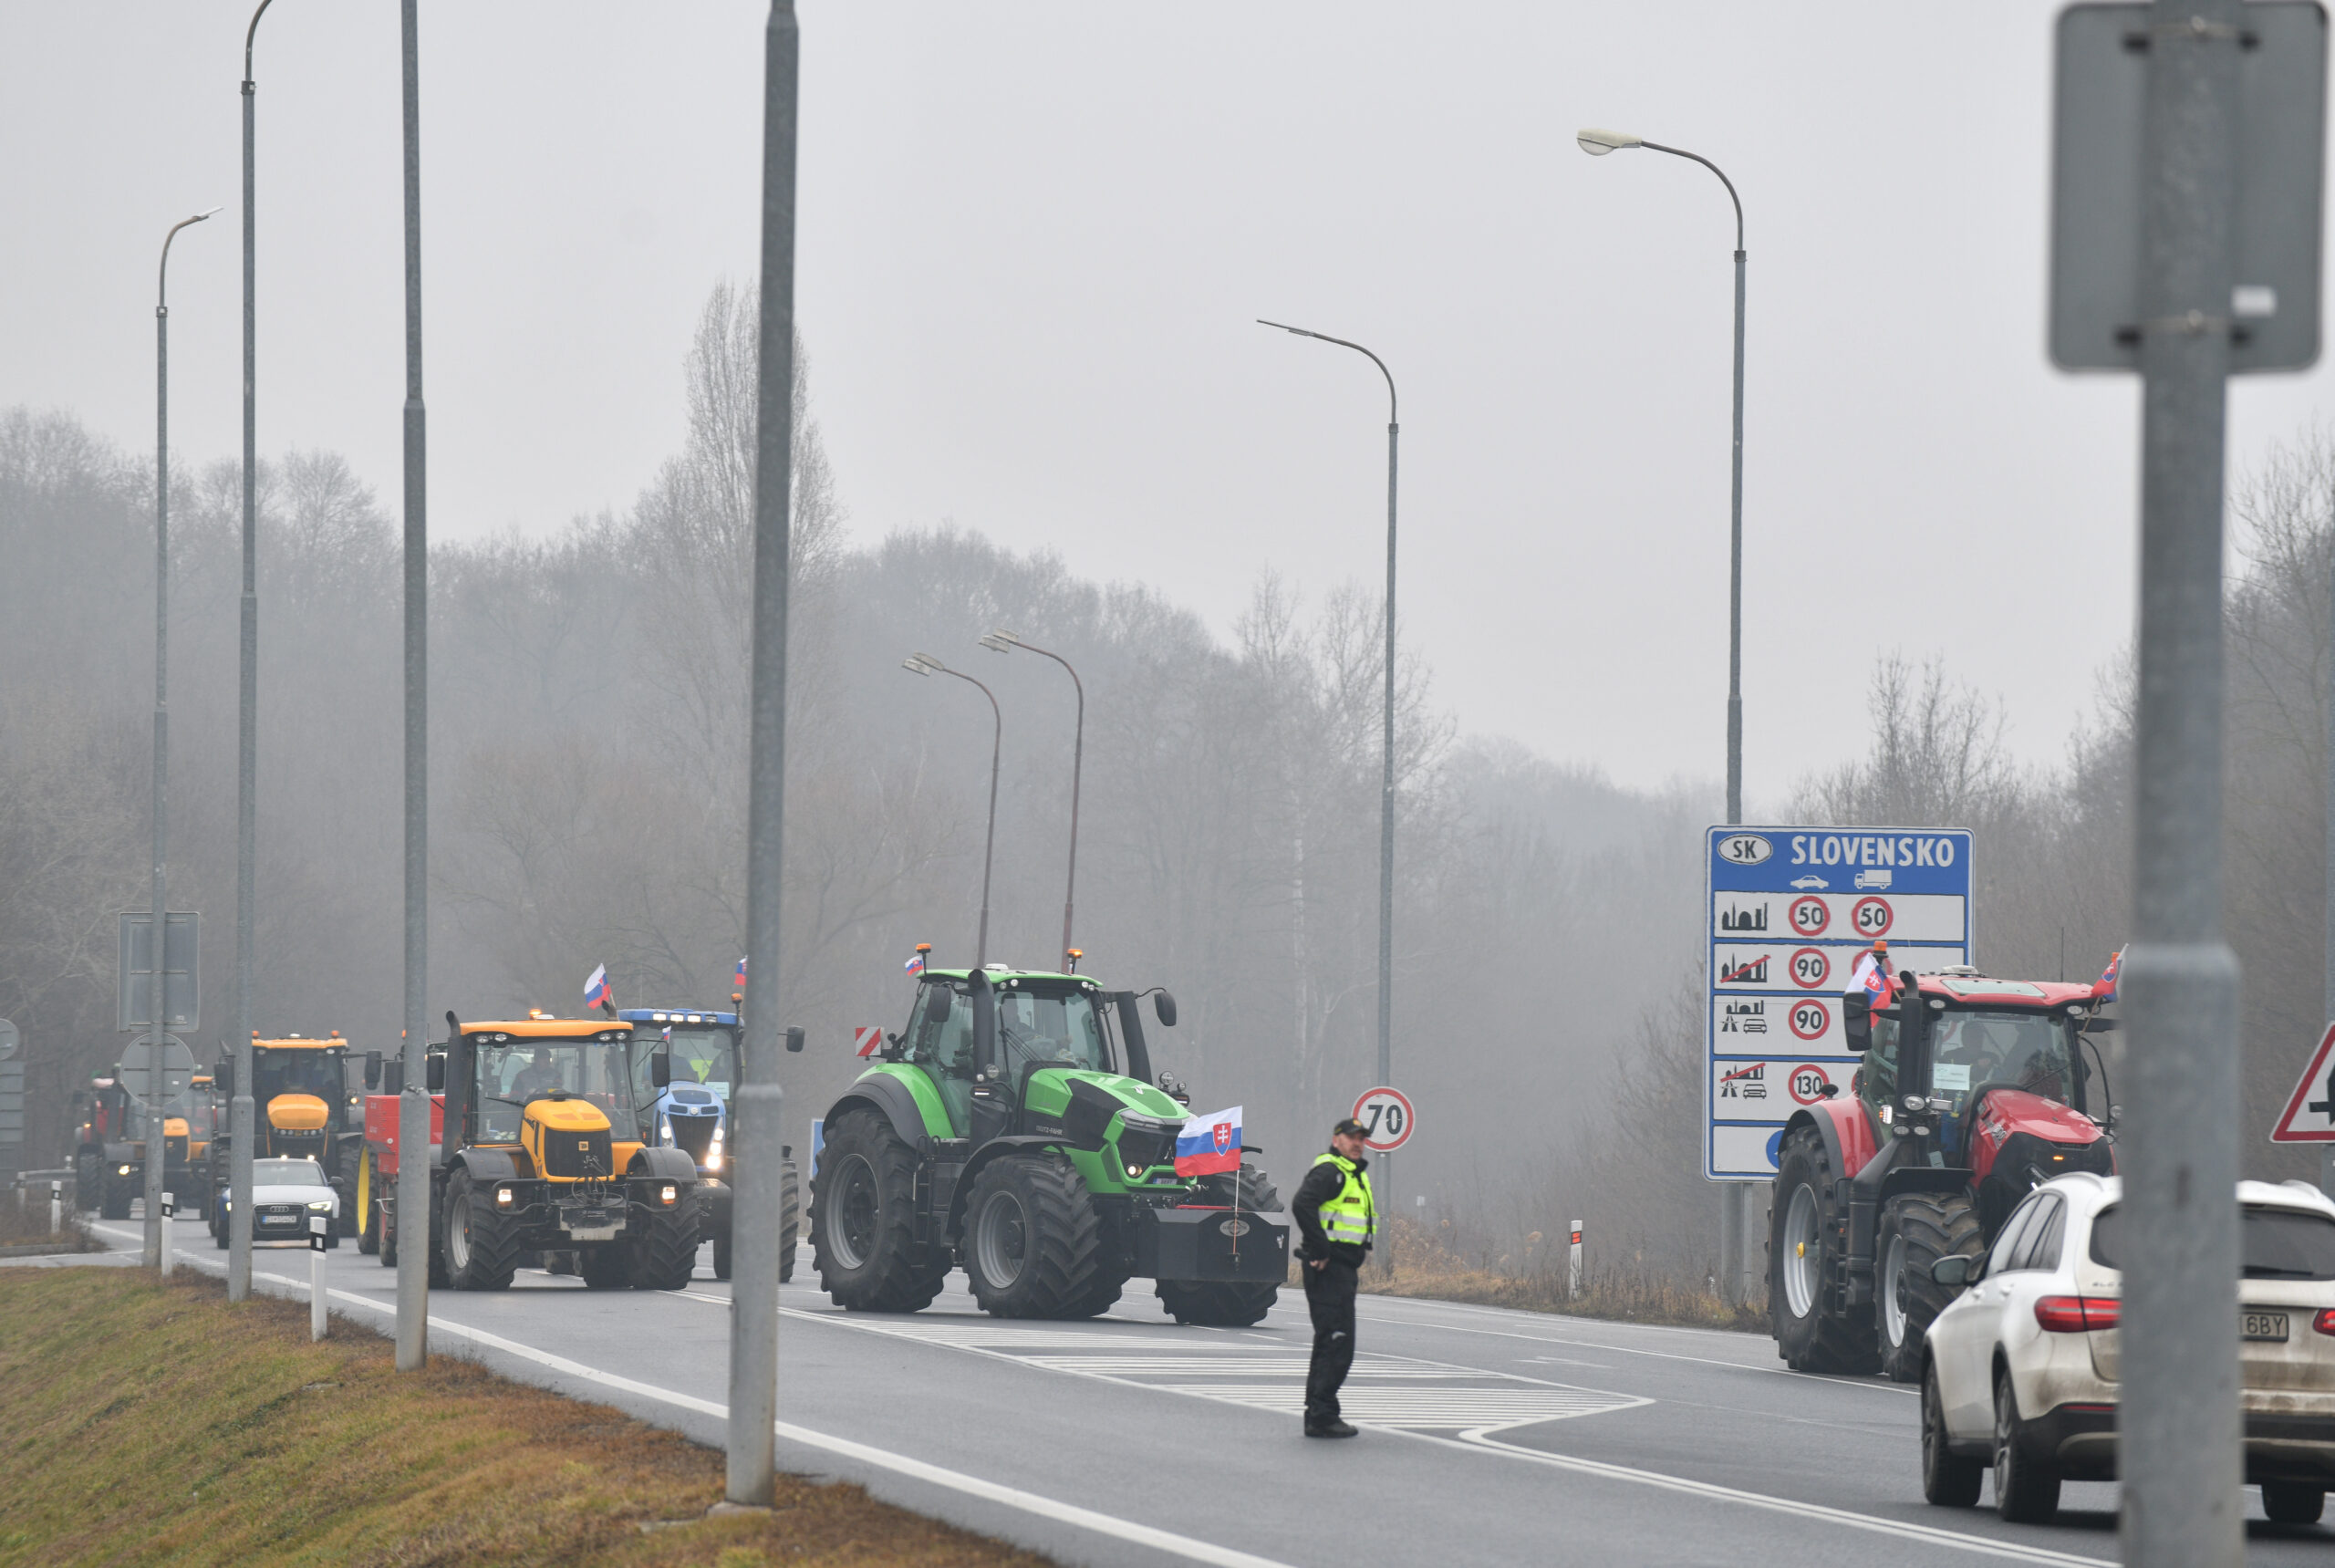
point(999, 1133)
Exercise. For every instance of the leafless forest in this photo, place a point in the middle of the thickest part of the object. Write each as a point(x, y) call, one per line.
point(587, 783)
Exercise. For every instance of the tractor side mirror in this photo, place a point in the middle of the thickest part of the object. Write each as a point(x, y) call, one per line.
point(1953, 1271)
point(393, 1077)
point(1856, 1024)
point(1164, 1004)
point(661, 1069)
point(795, 1039)
point(223, 1076)
point(433, 1074)
point(372, 1069)
point(938, 1002)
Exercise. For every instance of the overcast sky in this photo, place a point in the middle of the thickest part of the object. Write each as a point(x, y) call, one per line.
point(1033, 238)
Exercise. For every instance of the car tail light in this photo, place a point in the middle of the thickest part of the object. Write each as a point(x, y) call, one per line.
point(2325, 1322)
point(2077, 1314)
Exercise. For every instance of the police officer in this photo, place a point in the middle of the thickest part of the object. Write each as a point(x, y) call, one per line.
point(1335, 1220)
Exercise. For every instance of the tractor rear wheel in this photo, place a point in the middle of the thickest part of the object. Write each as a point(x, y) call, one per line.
point(790, 1224)
point(1803, 1236)
point(1033, 1243)
point(1917, 1230)
point(665, 1258)
point(115, 1203)
point(863, 1220)
point(482, 1249)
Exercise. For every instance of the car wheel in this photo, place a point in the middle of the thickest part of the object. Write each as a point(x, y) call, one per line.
point(1948, 1479)
point(2293, 1502)
point(2027, 1492)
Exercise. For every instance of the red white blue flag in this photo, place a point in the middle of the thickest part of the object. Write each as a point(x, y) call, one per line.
point(2104, 988)
point(915, 964)
point(1870, 975)
point(596, 992)
point(740, 983)
point(1209, 1145)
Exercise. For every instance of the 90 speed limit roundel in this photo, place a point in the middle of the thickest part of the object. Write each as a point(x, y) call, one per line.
point(1808, 1018)
point(1810, 968)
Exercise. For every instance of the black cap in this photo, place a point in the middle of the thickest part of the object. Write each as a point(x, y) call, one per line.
point(1350, 1129)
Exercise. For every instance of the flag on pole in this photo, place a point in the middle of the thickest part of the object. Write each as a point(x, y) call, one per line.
point(2104, 988)
point(1209, 1145)
point(740, 983)
point(1870, 975)
point(915, 964)
point(596, 992)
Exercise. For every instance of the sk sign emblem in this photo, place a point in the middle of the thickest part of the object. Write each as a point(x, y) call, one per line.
point(1223, 1134)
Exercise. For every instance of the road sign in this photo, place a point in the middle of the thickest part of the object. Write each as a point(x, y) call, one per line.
point(2098, 144)
point(1386, 1118)
point(134, 972)
point(2309, 1115)
point(1791, 908)
point(137, 1058)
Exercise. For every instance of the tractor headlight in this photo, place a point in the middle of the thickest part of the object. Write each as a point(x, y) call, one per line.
point(502, 1197)
point(668, 1195)
point(1135, 1173)
point(123, 1171)
point(713, 1158)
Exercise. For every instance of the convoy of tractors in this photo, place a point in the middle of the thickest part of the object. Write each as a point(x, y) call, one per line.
point(1014, 1128)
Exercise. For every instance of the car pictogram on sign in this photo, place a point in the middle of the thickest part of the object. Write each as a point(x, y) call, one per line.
point(1810, 968)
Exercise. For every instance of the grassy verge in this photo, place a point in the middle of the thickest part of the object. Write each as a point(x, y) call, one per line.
point(28, 1227)
point(146, 1423)
point(1425, 1268)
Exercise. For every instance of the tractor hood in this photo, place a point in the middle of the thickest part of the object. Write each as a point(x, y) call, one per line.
point(1086, 1103)
point(297, 1112)
point(2008, 1111)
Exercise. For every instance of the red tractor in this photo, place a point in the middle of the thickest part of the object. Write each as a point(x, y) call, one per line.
point(1973, 1091)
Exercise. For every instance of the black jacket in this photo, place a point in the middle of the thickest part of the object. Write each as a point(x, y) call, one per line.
point(1321, 1185)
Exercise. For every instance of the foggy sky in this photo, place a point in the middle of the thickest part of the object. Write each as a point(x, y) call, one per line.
point(1034, 237)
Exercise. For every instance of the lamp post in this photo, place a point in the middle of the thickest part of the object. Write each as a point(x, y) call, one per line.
point(155, 1099)
point(241, 1118)
point(1386, 781)
point(413, 1102)
point(1736, 1205)
point(924, 664)
point(999, 641)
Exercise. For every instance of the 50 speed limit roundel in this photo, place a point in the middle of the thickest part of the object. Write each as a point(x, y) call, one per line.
point(1810, 917)
point(1872, 917)
point(1386, 1119)
point(1810, 968)
point(1810, 1018)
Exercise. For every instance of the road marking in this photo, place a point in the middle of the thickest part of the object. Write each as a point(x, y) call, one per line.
point(1126, 1530)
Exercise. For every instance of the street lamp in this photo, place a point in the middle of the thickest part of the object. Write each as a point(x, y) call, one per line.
point(1598, 144)
point(924, 664)
point(241, 1116)
point(1736, 1205)
point(1386, 783)
point(155, 1097)
point(1001, 641)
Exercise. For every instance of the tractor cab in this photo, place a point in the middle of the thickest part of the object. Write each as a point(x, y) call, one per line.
point(689, 1108)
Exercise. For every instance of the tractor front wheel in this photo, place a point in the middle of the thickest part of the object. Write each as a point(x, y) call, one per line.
point(1033, 1243)
point(790, 1222)
point(666, 1256)
point(481, 1251)
point(863, 1220)
point(1917, 1230)
point(1228, 1303)
point(1805, 1235)
point(369, 1230)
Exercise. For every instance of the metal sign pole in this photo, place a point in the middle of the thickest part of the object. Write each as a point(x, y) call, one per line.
point(2180, 1422)
point(413, 1104)
point(754, 1297)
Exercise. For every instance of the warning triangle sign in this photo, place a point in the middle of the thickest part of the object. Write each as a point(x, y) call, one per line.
point(2310, 1110)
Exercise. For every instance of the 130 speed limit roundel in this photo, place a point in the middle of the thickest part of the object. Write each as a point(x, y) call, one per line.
point(1809, 1082)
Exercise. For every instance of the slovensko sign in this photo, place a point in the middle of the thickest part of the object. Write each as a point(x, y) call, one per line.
point(1788, 910)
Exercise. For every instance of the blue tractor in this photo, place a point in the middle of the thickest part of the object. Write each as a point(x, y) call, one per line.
point(685, 1104)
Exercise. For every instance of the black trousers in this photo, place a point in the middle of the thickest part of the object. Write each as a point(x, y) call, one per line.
point(1329, 1297)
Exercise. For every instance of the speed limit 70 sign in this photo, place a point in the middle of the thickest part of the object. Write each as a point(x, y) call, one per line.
point(1386, 1116)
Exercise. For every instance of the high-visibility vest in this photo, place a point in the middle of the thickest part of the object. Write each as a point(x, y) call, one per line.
point(1351, 1216)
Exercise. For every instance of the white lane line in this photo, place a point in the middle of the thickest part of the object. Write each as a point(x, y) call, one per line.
point(1126, 1530)
point(1667, 1356)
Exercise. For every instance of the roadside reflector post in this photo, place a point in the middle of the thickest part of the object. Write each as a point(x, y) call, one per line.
point(169, 1207)
point(318, 1226)
point(1573, 1264)
point(55, 1207)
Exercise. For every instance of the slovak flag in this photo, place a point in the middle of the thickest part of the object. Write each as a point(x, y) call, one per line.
point(740, 983)
point(1209, 1145)
point(2104, 988)
point(915, 964)
point(1870, 975)
point(596, 992)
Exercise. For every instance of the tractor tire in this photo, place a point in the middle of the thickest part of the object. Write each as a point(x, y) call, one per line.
point(790, 1222)
point(1801, 1239)
point(1033, 1243)
point(665, 1258)
point(1218, 1303)
point(1916, 1230)
point(114, 1204)
point(388, 1234)
point(369, 1234)
point(721, 1256)
point(862, 1221)
point(605, 1267)
point(480, 1246)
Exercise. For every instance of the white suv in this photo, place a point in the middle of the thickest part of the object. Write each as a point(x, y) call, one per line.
point(2021, 1369)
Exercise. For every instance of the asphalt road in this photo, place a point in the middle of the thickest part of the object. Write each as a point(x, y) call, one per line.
point(1490, 1437)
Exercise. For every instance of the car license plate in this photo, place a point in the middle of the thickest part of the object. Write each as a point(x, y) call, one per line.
point(2263, 1325)
point(295, 1218)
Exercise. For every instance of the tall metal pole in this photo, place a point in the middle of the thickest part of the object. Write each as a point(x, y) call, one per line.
point(1386, 1183)
point(924, 664)
point(753, 1315)
point(1000, 641)
point(2180, 1424)
point(413, 1217)
point(242, 1123)
point(2327, 1151)
point(156, 1101)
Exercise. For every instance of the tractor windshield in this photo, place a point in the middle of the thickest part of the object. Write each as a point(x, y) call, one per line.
point(2022, 1050)
point(706, 1057)
point(1065, 1029)
point(512, 1071)
point(298, 1072)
